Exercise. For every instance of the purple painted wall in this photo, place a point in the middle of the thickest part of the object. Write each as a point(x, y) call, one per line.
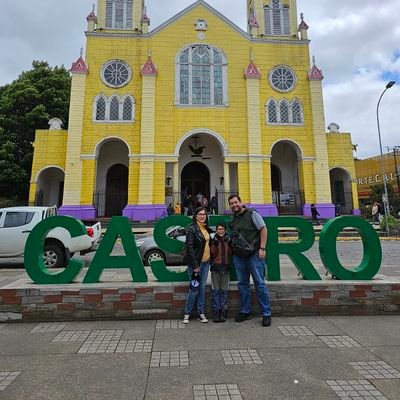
point(80, 212)
point(144, 212)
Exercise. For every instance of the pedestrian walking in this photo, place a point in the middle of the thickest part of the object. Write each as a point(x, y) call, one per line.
point(214, 205)
point(314, 214)
point(170, 209)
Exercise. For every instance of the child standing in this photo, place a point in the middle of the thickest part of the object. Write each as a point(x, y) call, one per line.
point(221, 251)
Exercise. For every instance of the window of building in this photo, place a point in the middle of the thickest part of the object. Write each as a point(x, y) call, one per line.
point(284, 112)
point(119, 14)
point(114, 109)
point(101, 109)
point(271, 112)
point(282, 78)
point(116, 73)
point(297, 112)
point(276, 17)
point(201, 76)
point(127, 108)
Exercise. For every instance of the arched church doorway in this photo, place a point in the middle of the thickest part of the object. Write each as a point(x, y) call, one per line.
point(111, 194)
point(50, 187)
point(276, 182)
point(342, 196)
point(117, 190)
point(195, 179)
point(286, 193)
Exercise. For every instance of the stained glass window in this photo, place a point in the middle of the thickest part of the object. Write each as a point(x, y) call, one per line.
point(201, 76)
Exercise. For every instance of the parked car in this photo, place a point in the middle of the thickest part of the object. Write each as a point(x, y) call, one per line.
point(149, 250)
point(17, 222)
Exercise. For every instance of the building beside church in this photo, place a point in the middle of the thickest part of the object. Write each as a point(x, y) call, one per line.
point(196, 105)
point(369, 174)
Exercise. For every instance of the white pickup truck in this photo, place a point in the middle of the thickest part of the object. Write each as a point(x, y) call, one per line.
point(17, 222)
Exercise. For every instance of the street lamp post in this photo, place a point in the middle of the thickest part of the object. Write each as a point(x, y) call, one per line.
point(385, 197)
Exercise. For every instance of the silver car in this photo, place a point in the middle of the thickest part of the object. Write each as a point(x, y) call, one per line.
point(149, 250)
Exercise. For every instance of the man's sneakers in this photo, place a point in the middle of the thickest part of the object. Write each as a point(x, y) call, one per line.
point(240, 317)
point(266, 321)
point(202, 318)
point(186, 319)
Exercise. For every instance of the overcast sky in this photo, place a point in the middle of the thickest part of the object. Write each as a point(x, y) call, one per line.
point(356, 43)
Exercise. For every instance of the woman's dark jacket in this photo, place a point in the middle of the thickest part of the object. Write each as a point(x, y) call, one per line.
point(195, 244)
point(221, 250)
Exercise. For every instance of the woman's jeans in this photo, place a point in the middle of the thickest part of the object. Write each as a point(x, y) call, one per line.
point(256, 268)
point(199, 292)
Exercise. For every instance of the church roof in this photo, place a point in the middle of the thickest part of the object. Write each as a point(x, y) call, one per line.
point(149, 68)
point(252, 72)
point(204, 4)
point(315, 73)
point(79, 66)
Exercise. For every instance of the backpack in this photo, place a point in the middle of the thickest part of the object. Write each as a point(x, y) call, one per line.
point(241, 247)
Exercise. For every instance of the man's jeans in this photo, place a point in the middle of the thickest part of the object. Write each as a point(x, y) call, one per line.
point(256, 267)
point(199, 291)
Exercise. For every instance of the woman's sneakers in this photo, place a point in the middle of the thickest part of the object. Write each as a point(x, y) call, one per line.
point(202, 318)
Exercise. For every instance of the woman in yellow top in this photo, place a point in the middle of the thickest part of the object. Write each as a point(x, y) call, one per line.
point(198, 259)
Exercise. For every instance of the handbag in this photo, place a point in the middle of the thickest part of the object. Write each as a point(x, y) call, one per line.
point(241, 247)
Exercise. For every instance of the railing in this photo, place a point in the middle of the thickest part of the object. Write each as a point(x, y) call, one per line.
point(289, 202)
point(109, 204)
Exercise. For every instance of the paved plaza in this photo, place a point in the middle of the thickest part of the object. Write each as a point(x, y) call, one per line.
point(319, 358)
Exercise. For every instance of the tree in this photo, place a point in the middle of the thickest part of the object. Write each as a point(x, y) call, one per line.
point(376, 195)
point(27, 104)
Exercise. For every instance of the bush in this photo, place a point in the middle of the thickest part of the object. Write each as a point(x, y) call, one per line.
point(392, 222)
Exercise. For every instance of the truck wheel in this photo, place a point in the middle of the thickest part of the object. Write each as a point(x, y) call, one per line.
point(53, 256)
point(153, 255)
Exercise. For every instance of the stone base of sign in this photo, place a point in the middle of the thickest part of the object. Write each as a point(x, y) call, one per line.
point(27, 302)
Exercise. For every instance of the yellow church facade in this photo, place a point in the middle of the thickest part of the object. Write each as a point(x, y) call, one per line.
point(195, 106)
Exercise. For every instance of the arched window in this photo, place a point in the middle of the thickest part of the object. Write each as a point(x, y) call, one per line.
point(297, 113)
point(119, 14)
point(272, 116)
point(276, 17)
point(284, 111)
point(201, 76)
point(100, 109)
point(127, 109)
point(114, 109)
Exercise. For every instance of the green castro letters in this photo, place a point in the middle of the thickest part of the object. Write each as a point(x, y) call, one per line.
point(119, 228)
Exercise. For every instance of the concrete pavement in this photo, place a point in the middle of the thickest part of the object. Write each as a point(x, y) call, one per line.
point(321, 358)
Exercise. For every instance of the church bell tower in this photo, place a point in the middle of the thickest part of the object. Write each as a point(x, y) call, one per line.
point(120, 15)
point(272, 18)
